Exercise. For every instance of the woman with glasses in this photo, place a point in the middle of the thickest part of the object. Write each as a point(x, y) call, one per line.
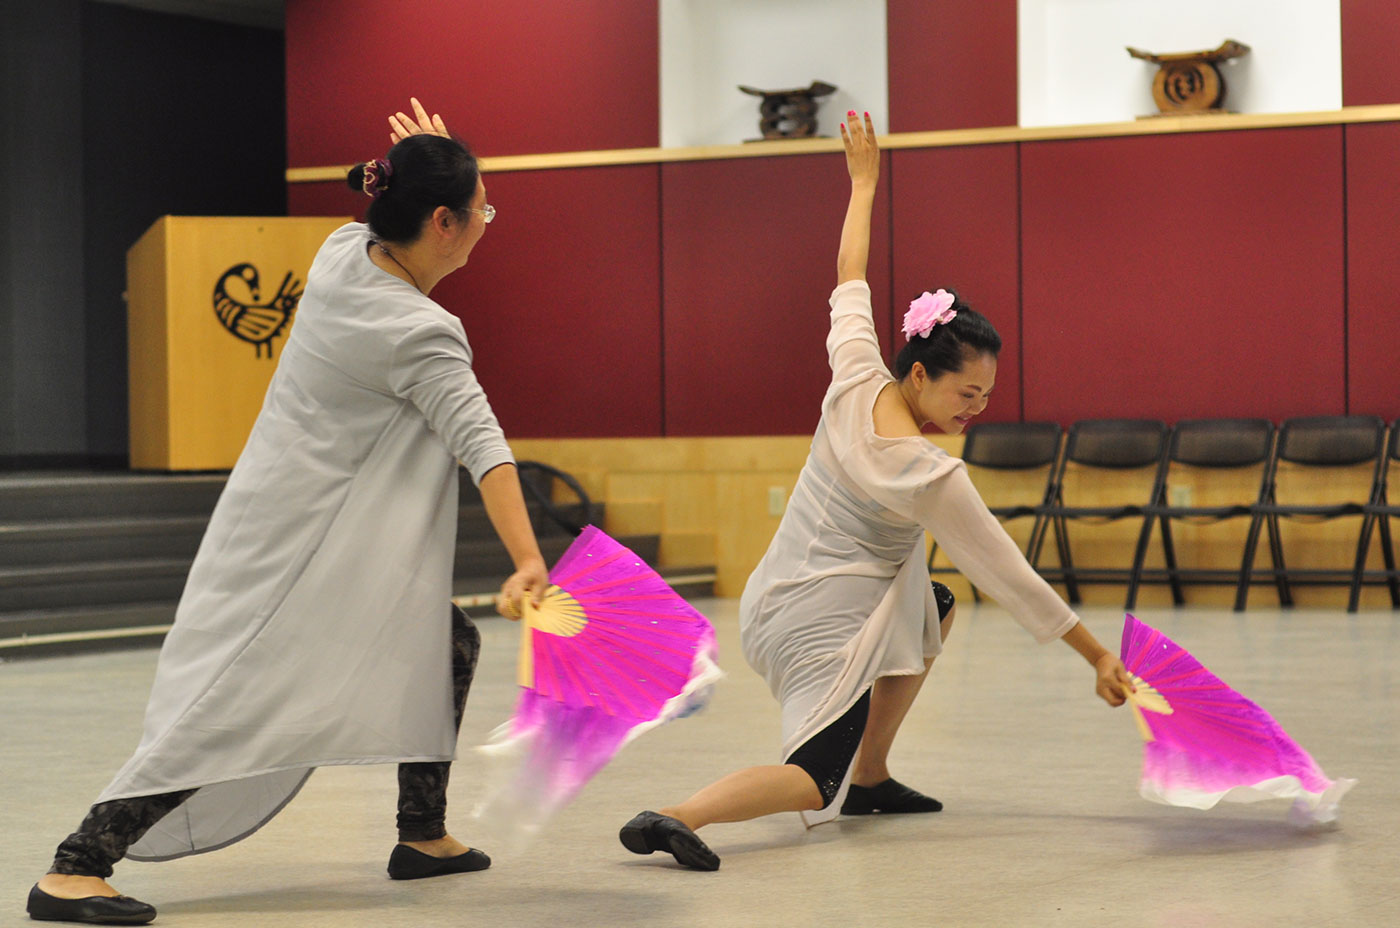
point(839, 616)
point(315, 627)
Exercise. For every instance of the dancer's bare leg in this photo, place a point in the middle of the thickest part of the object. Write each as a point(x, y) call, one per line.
point(890, 699)
point(747, 794)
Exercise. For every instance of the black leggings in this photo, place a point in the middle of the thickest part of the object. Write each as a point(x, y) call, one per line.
point(827, 755)
point(111, 827)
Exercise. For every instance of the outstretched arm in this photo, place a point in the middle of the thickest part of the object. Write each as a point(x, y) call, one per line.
point(863, 163)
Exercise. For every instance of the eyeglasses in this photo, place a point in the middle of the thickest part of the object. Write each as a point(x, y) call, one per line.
point(488, 212)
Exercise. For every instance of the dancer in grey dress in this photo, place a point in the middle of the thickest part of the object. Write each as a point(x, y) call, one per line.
point(839, 616)
point(315, 626)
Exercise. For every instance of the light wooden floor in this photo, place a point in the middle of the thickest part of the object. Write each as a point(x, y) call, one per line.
point(1043, 824)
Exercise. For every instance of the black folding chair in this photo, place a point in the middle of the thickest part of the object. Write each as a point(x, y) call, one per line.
point(537, 481)
point(1113, 449)
point(1012, 448)
point(1313, 445)
point(1241, 447)
point(1376, 516)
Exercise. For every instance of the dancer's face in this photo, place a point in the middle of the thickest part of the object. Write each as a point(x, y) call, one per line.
point(473, 227)
point(952, 400)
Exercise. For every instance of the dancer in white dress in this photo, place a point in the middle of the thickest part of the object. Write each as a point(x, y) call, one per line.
point(315, 627)
point(840, 616)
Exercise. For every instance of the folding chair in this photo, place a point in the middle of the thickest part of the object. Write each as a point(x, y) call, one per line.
point(1012, 449)
point(1230, 451)
point(1376, 515)
point(1123, 455)
point(1337, 446)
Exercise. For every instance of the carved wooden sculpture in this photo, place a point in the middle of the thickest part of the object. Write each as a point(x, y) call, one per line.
point(1190, 82)
point(789, 114)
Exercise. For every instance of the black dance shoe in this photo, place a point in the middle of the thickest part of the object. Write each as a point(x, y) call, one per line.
point(90, 910)
point(651, 831)
point(887, 798)
point(407, 863)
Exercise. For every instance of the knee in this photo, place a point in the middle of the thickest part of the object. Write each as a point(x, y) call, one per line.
point(947, 607)
point(945, 624)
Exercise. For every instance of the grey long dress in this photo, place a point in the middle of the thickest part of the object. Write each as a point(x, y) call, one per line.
point(313, 628)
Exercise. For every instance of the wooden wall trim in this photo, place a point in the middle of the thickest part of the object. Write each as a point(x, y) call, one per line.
point(1166, 125)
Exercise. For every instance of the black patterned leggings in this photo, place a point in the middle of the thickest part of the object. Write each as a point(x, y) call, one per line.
point(111, 827)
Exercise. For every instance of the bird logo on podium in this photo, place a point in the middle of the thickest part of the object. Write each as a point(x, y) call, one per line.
point(237, 296)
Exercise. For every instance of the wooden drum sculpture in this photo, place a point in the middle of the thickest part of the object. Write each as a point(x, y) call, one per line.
point(1190, 82)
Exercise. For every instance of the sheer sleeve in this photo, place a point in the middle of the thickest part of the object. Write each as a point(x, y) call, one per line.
point(432, 369)
point(951, 510)
point(852, 346)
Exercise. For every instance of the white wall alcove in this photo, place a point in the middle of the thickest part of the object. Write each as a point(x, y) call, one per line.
point(709, 47)
point(1073, 67)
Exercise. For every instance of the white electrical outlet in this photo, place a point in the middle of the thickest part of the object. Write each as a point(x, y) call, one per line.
point(777, 500)
point(1180, 495)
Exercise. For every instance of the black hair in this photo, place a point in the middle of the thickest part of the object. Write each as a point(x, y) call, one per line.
point(428, 171)
point(951, 344)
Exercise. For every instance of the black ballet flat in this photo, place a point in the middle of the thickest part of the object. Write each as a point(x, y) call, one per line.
point(887, 798)
point(406, 863)
point(650, 831)
point(90, 910)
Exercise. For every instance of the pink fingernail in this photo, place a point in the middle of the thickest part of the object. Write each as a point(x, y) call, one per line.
point(850, 112)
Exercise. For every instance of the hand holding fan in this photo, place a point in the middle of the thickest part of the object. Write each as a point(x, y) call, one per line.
point(611, 652)
point(1205, 743)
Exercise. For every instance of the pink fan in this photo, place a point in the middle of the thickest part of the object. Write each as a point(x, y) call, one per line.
point(611, 652)
point(1206, 743)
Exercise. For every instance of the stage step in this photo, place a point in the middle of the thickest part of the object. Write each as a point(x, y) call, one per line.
point(98, 560)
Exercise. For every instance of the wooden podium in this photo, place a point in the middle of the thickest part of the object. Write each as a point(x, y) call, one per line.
point(210, 300)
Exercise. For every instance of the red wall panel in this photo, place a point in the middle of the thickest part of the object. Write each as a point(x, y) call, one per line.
point(560, 299)
point(956, 224)
point(1373, 273)
point(511, 78)
point(748, 264)
point(1370, 68)
point(1180, 276)
point(951, 65)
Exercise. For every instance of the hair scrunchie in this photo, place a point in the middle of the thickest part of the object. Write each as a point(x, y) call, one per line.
point(377, 174)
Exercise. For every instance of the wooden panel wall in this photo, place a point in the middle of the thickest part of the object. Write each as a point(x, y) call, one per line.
point(748, 263)
point(1373, 273)
point(567, 75)
point(1176, 275)
point(1370, 34)
point(1184, 276)
point(956, 224)
point(952, 65)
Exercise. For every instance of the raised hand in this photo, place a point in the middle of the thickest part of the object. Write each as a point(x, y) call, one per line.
point(402, 127)
point(862, 151)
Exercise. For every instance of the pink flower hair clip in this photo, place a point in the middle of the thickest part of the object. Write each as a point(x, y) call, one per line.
point(929, 310)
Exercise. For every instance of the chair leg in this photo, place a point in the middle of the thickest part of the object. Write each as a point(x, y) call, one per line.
point(1251, 543)
point(1169, 553)
point(1363, 545)
point(1066, 561)
point(1285, 592)
point(1388, 554)
point(1139, 556)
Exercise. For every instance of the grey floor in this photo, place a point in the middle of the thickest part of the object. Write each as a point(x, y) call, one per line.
point(1043, 824)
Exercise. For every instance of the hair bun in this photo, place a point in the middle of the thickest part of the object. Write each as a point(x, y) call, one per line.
point(355, 178)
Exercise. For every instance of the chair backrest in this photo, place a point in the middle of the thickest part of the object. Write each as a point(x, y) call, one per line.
point(1331, 441)
point(1012, 445)
point(1116, 443)
point(1222, 442)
